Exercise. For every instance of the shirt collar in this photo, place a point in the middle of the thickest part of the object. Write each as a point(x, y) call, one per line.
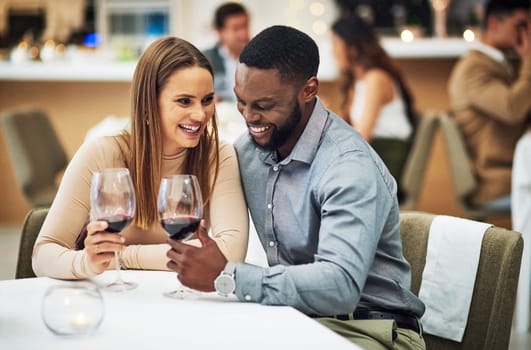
point(224, 52)
point(306, 147)
point(490, 51)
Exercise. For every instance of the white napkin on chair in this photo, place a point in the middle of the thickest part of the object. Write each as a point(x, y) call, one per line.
point(452, 259)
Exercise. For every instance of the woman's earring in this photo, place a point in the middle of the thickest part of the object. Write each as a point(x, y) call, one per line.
point(147, 122)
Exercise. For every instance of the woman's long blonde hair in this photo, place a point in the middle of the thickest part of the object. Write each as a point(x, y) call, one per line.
point(158, 62)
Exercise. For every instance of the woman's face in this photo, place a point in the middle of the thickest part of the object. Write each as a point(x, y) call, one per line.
point(186, 105)
point(341, 53)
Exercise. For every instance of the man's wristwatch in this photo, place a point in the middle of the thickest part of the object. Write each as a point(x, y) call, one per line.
point(224, 283)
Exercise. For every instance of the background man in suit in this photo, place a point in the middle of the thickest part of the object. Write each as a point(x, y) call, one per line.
point(231, 21)
point(491, 101)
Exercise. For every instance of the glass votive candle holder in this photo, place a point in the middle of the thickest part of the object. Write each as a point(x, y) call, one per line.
point(73, 309)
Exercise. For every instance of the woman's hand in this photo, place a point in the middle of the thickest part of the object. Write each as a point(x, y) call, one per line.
point(101, 246)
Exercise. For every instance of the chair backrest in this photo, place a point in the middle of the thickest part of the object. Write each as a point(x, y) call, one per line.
point(493, 298)
point(458, 158)
point(35, 152)
point(461, 171)
point(415, 167)
point(30, 231)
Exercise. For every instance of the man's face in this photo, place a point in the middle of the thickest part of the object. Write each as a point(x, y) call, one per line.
point(269, 106)
point(235, 33)
point(507, 30)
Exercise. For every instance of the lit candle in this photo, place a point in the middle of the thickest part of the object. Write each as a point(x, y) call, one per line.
point(48, 51)
point(80, 321)
point(20, 53)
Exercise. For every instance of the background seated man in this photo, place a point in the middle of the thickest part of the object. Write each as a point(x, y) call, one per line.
point(491, 102)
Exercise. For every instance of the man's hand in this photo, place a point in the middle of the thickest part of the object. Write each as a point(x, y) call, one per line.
point(523, 48)
point(197, 267)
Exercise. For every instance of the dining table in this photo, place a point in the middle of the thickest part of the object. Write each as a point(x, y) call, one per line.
point(144, 318)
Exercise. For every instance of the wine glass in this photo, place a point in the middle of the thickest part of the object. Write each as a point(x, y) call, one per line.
point(112, 199)
point(180, 208)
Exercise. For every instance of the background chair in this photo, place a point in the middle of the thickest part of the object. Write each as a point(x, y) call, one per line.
point(415, 167)
point(35, 152)
point(461, 172)
point(493, 298)
point(30, 231)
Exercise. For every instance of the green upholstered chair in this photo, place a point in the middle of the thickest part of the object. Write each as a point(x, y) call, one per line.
point(417, 160)
point(493, 299)
point(30, 231)
point(461, 172)
point(35, 152)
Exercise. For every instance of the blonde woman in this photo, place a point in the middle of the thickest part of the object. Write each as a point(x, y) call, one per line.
point(173, 131)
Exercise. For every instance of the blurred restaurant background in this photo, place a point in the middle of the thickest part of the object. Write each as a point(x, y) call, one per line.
point(74, 59)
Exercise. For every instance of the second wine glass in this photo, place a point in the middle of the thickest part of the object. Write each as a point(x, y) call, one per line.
point(180, 207)
point(112, 199)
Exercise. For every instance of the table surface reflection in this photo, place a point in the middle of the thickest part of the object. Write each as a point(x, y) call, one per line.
point(143, 318)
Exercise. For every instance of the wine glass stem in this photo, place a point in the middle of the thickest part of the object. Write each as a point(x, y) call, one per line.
point(119, 279)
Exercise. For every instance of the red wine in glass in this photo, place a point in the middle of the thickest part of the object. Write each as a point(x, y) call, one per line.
point(117, 223)
point(181, 227)
point(112, 199)
point(180, 208)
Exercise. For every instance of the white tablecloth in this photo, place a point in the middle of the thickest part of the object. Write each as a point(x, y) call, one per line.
point(145, 319)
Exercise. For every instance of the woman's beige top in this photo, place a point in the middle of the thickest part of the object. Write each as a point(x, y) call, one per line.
point(53, 254)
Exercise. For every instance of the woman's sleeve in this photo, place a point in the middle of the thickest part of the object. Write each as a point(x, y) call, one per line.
point(145, 256)
point(228, 211)
point(53, 253)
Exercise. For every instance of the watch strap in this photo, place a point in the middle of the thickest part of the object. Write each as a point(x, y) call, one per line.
point(230, 268)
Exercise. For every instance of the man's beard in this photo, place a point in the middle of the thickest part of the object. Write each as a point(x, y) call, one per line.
point(281, 134)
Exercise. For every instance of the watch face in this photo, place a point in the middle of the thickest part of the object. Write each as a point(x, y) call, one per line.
point(224, 284)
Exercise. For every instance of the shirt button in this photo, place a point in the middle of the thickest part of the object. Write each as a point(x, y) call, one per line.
point(269, 206)
point(272, 243)
point(275, 168)
point(247, 297)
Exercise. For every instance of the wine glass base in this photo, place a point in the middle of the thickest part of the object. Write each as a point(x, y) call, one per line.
point(182, 294)
point(120, 286)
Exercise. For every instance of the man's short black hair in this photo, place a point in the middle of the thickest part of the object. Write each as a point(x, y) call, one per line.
point(501, 8)
point(293, 53)
point(226, 10)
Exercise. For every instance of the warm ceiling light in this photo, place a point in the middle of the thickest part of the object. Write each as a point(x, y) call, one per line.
point(317, 8)
point(319, 27)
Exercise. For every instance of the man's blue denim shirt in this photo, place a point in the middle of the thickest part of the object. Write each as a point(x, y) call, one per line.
point(328, 219)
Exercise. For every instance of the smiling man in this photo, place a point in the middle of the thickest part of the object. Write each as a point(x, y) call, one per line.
point(323, 204)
